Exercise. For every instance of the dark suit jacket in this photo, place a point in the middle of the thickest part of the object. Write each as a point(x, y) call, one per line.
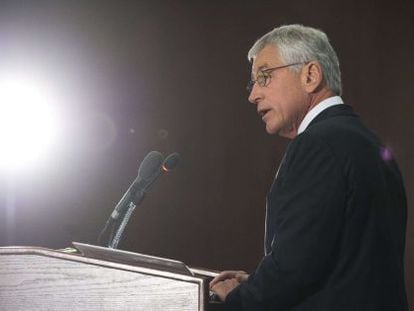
point(336, 220)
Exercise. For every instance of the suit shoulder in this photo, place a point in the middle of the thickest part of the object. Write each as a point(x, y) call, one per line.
point(342, 130)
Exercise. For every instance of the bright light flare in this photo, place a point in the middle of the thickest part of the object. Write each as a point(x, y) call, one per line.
point(28, 123)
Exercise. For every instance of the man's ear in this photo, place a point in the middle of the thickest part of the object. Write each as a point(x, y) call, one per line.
point(312, 76)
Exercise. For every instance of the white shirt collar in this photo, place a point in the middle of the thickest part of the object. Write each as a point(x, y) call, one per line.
point(326, 103)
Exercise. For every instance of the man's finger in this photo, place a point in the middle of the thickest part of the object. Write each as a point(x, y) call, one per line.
point(230, 274)
point(224, 275)
point(242, 277)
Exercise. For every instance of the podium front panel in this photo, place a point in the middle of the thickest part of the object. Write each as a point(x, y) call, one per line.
point(45, 280)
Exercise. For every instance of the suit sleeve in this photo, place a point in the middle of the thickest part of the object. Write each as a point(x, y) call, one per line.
point(310, 204)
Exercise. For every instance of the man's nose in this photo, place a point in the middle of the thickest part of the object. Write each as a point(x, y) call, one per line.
point(255, 94)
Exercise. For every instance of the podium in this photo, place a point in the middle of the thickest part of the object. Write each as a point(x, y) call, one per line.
point(34, 278)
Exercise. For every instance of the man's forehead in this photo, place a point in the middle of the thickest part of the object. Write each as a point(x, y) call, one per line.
point(265, 58)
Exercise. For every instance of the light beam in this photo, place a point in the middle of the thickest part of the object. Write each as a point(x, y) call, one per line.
point(28, 122)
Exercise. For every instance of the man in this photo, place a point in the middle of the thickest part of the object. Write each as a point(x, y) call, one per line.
point(336, 212)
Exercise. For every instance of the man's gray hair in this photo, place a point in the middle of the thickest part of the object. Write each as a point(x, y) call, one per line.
point(300, 44)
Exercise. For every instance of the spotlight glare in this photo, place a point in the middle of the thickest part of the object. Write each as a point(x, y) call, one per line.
point(27, 123)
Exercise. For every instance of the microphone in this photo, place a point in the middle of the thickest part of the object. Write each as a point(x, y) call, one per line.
point(168, 165)
point(147, 171)
point(170, 162)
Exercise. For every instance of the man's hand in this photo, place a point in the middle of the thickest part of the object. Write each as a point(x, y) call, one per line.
point(226, 281)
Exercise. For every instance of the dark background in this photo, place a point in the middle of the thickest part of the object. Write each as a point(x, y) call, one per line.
point(136, 76)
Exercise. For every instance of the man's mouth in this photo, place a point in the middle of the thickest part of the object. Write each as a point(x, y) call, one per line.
point(263, 112)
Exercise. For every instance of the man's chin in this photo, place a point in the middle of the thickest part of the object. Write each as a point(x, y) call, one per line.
point(271, 130)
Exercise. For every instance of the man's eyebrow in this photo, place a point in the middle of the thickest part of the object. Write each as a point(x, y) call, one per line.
point(264, 66)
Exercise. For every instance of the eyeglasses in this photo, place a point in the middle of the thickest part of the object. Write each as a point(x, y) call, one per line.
point(263, 76)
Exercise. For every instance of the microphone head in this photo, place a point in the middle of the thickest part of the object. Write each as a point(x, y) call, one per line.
point(150, 165)
point(170, 162)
